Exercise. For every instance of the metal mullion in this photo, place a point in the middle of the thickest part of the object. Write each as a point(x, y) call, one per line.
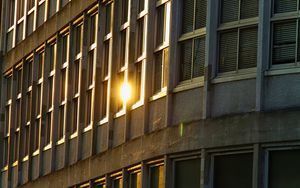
point(194, 15)
point(237, 49)
point(297, 38)
point(239, 10)
point(192, 59)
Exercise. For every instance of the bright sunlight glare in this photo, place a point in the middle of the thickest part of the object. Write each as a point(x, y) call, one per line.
point(125, 92)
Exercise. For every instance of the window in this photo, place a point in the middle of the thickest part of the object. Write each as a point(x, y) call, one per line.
point(20, 9)
point(28, 102)
point(161, 53)
point(40, 13)
point(30, 4)
point(122, 69)
point(64, 2)
point(91, 65)
point(156, 176)
point(140, 52)
point(135, 178)
point(187, 173)
point(62, 103)
point(76, 75)
point(285, 40)
point(192, 39)
point(228, 167)
point(100, 183)
point(106, 61)
point(238, 44)
point(18, 113)
point(7, 125)
point(38, 99)
point(117, 182)
point(50, 92)
point(284, 168)
point(11, 16)
point(52, 4)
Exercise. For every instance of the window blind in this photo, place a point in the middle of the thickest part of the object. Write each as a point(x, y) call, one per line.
point(248, 48)
point(228, 51)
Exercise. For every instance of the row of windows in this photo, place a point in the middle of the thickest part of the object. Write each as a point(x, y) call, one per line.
point(24, 17)
point(228, 170)
point(63, 69)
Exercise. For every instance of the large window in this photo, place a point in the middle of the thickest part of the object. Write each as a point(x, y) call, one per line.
point(76, 75)
point(192, 39)
point(161, 51)
point(237, 35)
point(91, 71)
point(285, 28)
point(18, 112)
point(28, 75)
point(105, 76)
point(187, 173)
point(228, 167)
point(284, 169)
point(38, 99)
point(7, 124)
point(135, 178)
point(51, 56)
point(140, 52)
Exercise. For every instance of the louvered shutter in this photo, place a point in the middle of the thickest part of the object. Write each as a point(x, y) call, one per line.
point(199, 57)
point(228, 51)
point(186, 60)
point(230, 10)
point(249, 9)
point(281, 6)
point(284, 42)
point(200, 18)
point(158, 72)
point(248, 48)
point(187, 16)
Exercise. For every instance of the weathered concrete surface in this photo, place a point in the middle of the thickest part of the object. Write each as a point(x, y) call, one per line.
point(239, 130)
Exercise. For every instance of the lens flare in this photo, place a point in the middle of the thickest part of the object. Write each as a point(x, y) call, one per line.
point(125, 92)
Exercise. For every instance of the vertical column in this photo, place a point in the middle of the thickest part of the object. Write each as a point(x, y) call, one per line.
point(263, 50)
point(211, 53)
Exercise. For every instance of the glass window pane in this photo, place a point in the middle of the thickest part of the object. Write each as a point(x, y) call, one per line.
point(199, 57)
point(284, 42)
point(249, 8)
point(158, 71)
point(40, 15)
point(233, 171)
point(157, 177)
point(187, 173)
point(284, 169)
point(187, 16)
point(186, 60)
point(248, 48)
point(200, 19)
point(228, 51)
point(160, 22)
point(281, 6)
point(230, 10)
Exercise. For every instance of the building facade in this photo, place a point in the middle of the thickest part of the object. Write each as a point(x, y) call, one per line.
point(214, 103)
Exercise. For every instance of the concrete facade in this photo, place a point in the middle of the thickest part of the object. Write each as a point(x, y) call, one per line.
point(253, 111)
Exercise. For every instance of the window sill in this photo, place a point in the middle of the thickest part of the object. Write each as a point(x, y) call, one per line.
point(289, 70)
point(74, 135)
point(4, 168)
point(61, 141)
point(103, 121)
point(15, 164)
point(120, 113)
point(189, 84)
point(25, 158)
point(37, 152)
point(88, 128)
point(159, 95)
point(137, 105)
point(47, 147)
point(233, 77)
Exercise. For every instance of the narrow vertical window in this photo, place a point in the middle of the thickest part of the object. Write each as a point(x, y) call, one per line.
point(156, 176)
point(161, 52)
point(135, 179)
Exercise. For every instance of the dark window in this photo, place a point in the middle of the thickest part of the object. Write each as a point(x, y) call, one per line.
point(187, 173)
point(233, 171)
